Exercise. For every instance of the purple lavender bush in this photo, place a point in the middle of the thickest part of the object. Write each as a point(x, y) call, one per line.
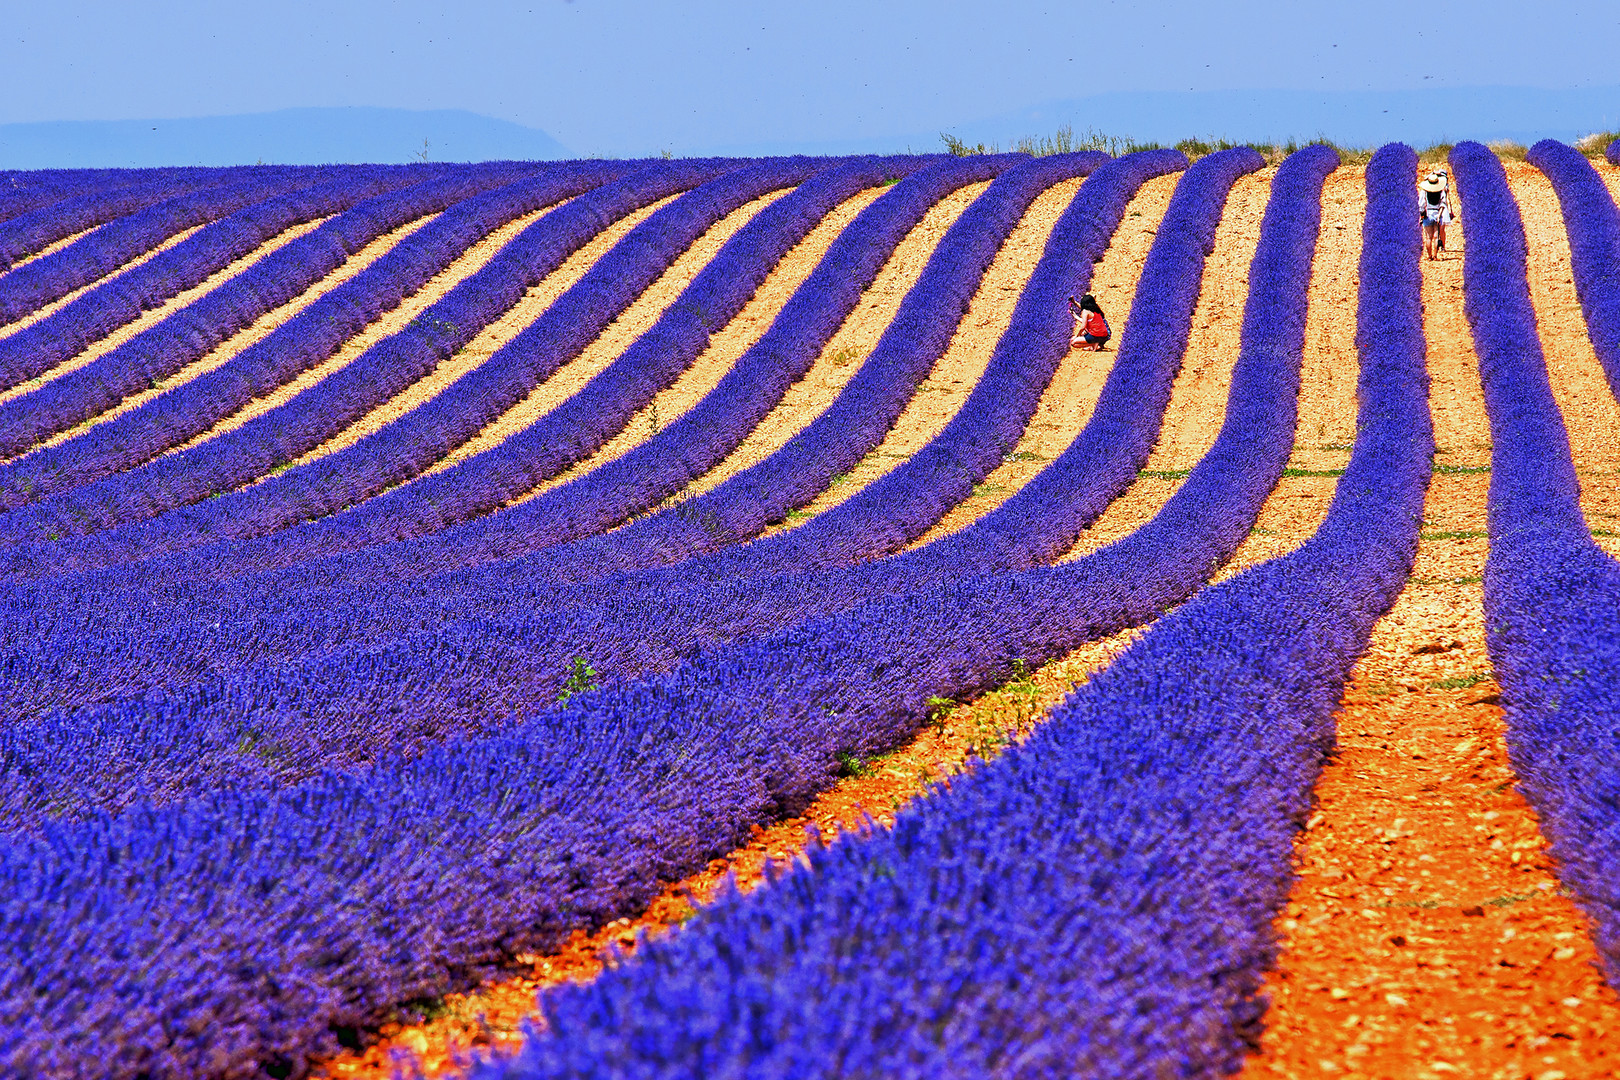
point(1593, 226)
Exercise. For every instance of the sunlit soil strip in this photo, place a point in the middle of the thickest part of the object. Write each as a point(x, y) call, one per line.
point(1610, 174)
point(1198, 396)
point(1426, 935)
point(952, 379)
point(1590, 411)
point(51, 249)
point(710, 366)
point(635, 320)
point(152, 316)
point(258, 330)
point(1067, 403)
point(1326, 427)
point(725, 345)
point(869, 797)
point(841, 357)
point(465, 265)
point(804, 399)
point(62, 301)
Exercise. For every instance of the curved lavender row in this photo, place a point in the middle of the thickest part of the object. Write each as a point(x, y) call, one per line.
point(1100, 901)
point(1612, 154)
point(341, 709)
point(318, 907)
point(284, 433)
point(405, 447)
point(1552, 596)
point(305, 340)
point(161, 350)
point(582, 424)
point(1593, 226)
point(270, 210)
point(36, 230)
point(47, 280)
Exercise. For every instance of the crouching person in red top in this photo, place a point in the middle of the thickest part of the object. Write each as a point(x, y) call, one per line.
point(1090, 326)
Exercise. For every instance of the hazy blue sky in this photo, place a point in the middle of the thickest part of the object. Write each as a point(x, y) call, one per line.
point(636, 76)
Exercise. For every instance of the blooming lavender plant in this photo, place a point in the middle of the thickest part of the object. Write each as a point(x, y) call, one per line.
point(1593, 227)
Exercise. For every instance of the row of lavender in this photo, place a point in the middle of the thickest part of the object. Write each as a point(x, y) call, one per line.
point(302, 621)
point(1100, 901)
point(345, 971)
point(1552, 596)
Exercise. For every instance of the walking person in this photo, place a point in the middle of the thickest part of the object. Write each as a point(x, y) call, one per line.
point(1090, 325)
point(1434, 209)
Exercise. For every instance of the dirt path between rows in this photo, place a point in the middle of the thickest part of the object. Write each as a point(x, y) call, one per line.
point(1427, 936)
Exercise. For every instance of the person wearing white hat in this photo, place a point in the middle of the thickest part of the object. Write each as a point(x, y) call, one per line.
point(1434, 210)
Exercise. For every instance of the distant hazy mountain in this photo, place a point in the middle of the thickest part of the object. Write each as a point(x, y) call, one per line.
point(285, 137)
